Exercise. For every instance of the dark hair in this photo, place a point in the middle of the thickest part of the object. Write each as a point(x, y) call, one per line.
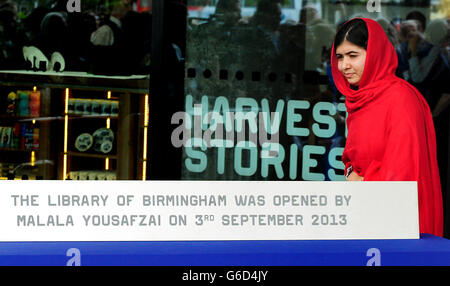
point(419, 16)
point(355, 31)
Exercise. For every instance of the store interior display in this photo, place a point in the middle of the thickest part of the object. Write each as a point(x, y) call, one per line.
point(92, 175)
point(103, 140)
point(92, 121)
point(52, 127)
point(5, 169)
point(57, 62)
point(11, 103)
point(7, 135)
point(20, 134)
point(28, 170)
point(61, 89)
point(38, 61)
point(24, 171)
point(23, 103)
point(15, 132)
point(83, 142)
point(86, 106)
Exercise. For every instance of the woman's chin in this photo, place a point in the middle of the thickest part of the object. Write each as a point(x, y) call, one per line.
point(353, 82)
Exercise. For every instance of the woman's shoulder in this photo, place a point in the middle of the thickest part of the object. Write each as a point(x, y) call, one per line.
point(401, 91)
point(405, 98)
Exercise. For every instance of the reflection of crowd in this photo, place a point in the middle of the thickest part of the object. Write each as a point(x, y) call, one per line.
point(423, 48)
point(264, 43)
point(423, 60)
point(109, 40)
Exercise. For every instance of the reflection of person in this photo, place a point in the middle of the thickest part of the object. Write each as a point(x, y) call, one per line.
point(411, 41)
point(229, 12)
point(391, 135)
point(10, 38)
point(390, 31)
point(319, 36)
point(420, 19)
point(264, 40)
point(267, 20)
point(107, 50)
point(430, 72)
point(268, 15)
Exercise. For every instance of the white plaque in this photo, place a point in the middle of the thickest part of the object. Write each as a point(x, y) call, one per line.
point(206, 210)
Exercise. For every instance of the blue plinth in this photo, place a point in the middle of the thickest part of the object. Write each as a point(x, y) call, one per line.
point(428, 250)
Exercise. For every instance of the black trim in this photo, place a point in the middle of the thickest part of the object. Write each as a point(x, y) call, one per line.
point(166, 87)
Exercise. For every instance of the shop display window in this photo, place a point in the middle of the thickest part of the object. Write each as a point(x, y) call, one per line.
point(74, 89)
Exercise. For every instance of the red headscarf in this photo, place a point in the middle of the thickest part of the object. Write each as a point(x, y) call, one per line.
point(391, 135)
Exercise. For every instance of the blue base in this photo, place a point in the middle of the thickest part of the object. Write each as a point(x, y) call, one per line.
point(429, 250)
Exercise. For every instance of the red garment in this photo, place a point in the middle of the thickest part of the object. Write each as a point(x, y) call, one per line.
point(391, 135)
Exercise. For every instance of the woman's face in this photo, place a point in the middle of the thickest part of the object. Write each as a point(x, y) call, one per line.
point(351, 59)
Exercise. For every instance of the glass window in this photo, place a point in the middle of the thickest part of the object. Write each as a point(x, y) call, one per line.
point(74, 93)
point(260, 101)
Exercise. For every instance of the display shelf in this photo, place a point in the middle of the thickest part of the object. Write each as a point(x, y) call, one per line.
point(56, 122)
point(3, 149)
point(30, 128)
point(136, 84)
point(17, 117)
point(120, 124)
point(91, 155)
point(86, 116)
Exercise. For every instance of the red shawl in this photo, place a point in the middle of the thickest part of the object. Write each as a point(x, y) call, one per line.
point(391, 135)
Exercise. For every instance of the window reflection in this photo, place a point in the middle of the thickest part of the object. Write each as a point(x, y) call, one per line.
point(271, 51)
point(72, 82)
point(106, 37)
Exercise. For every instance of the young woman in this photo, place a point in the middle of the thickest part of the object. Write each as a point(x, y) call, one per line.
point(391, 135)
